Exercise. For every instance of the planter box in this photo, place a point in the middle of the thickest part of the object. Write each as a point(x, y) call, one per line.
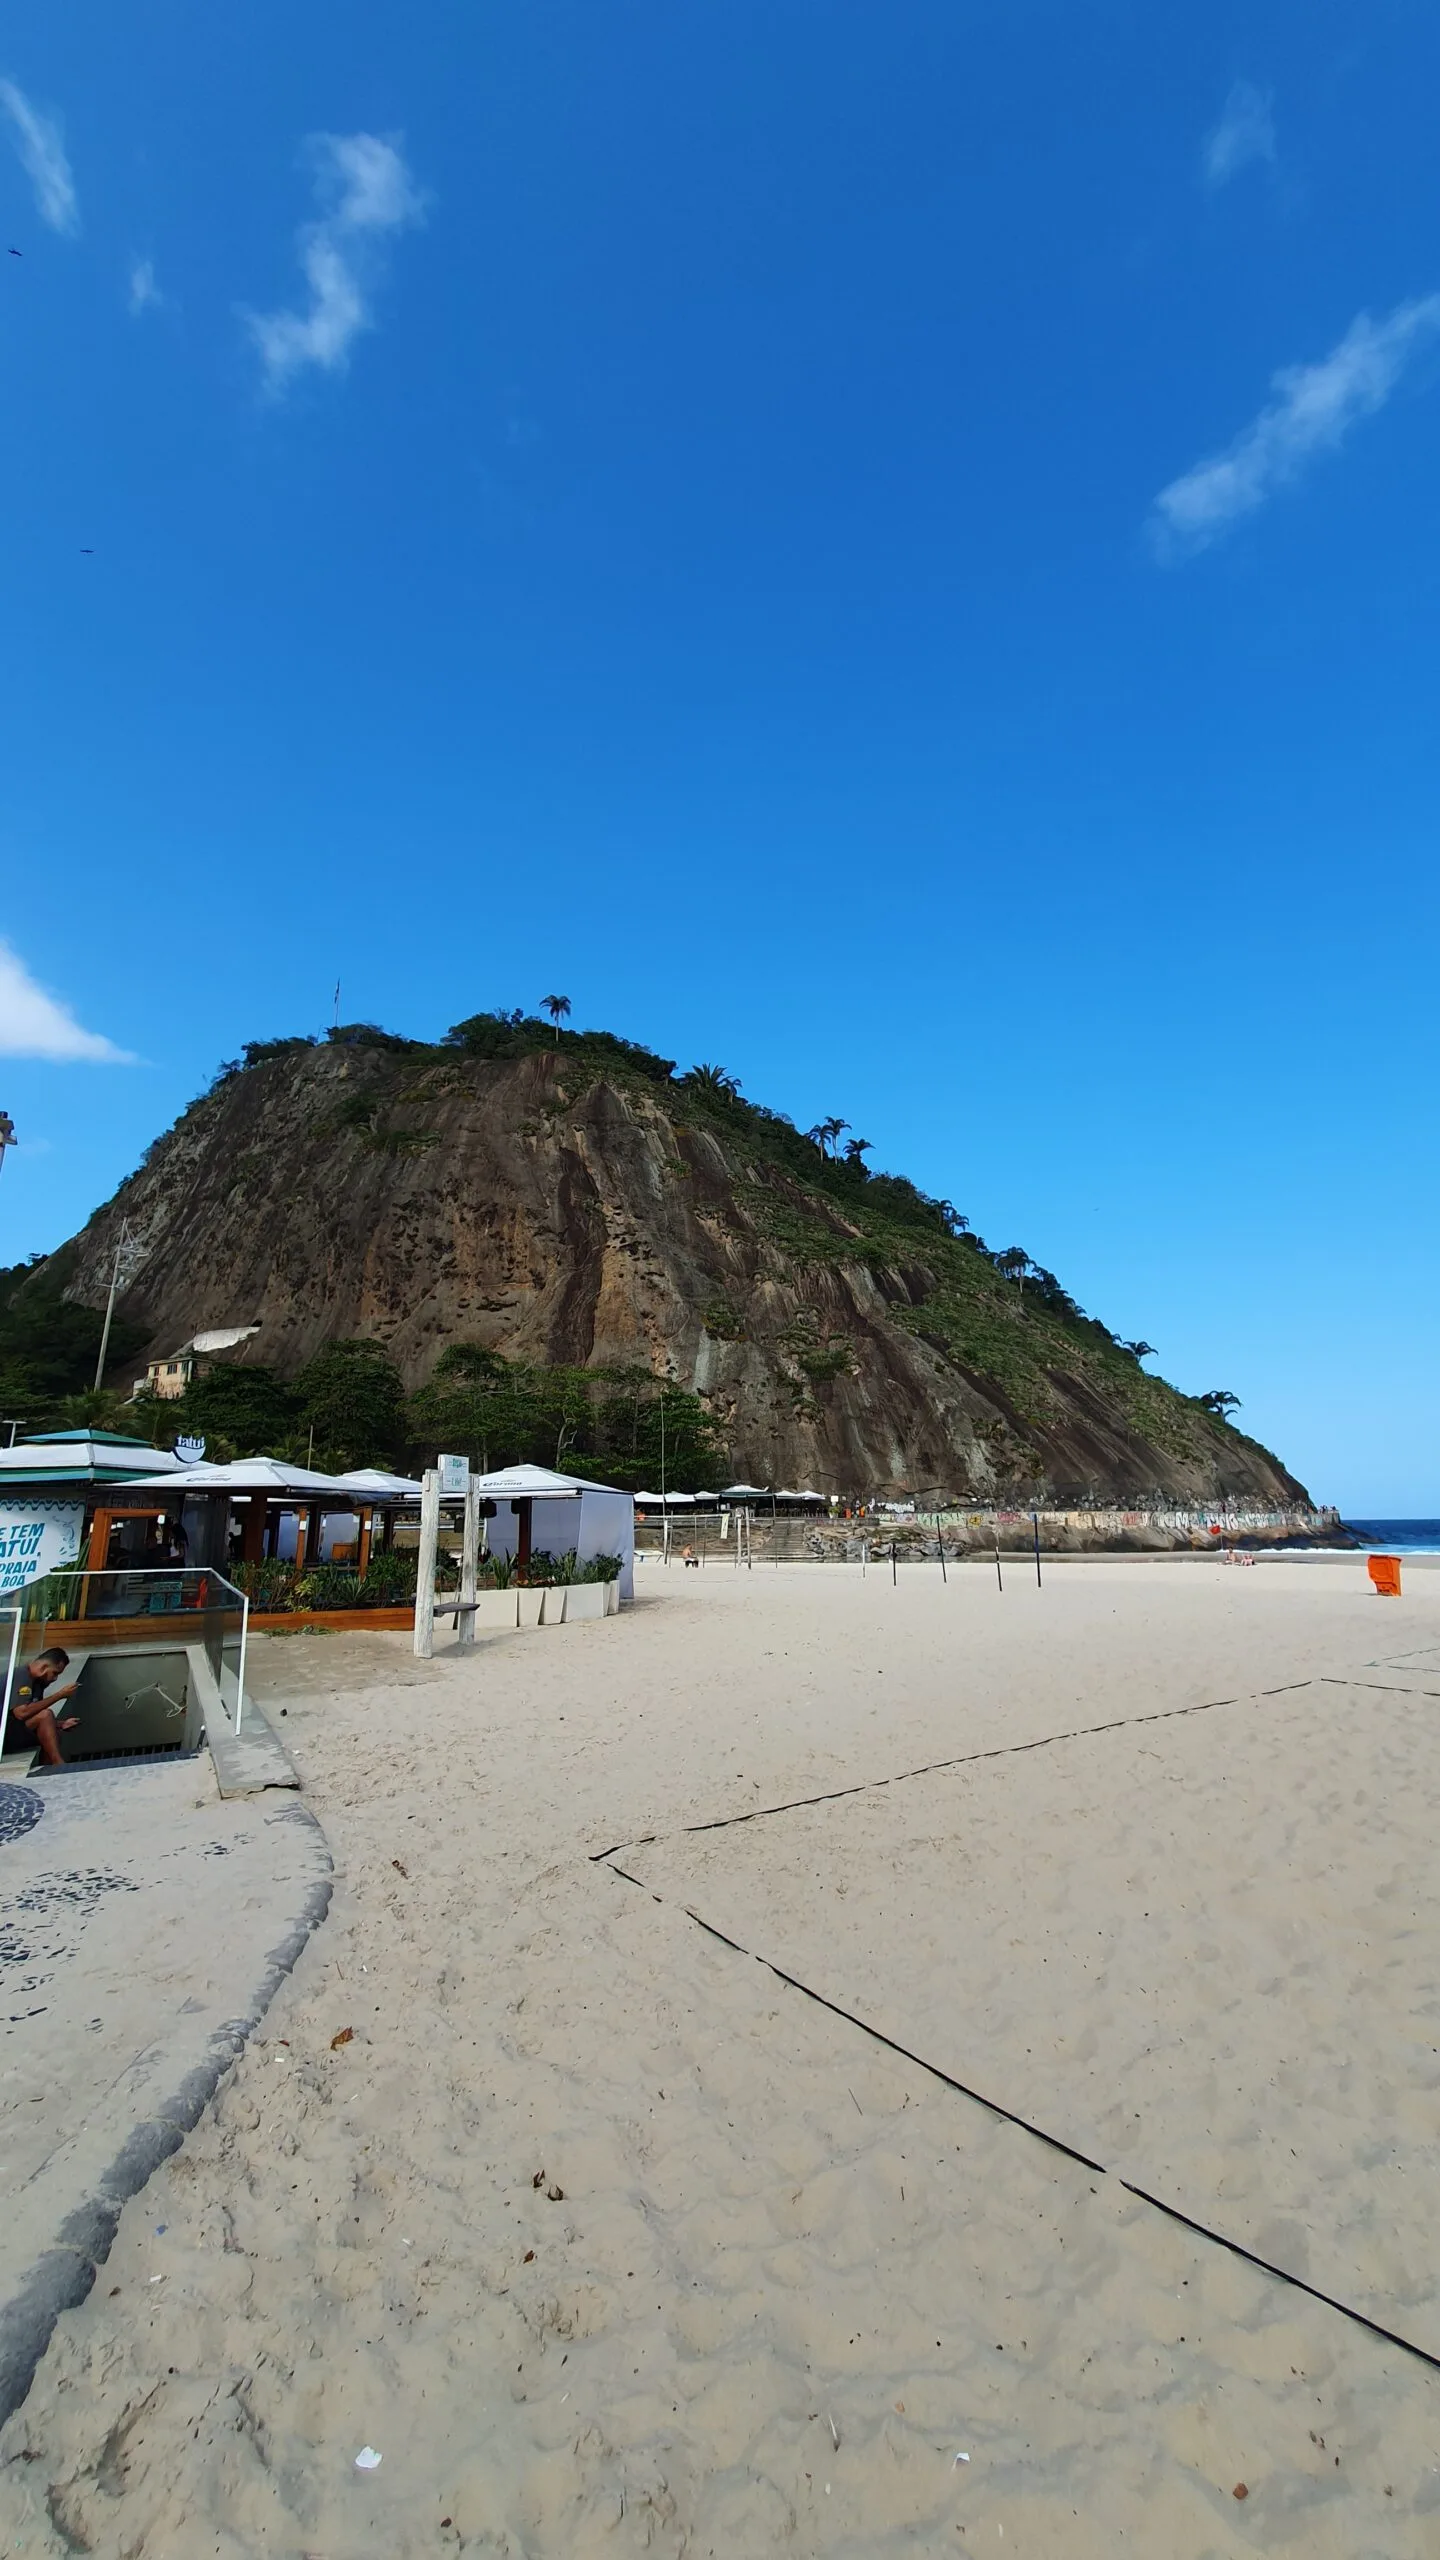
point(612, 1597)
point(529, 1606)
point(495, 1609)
point(552, 1604)
point(187, 1626)
point(584, 1600)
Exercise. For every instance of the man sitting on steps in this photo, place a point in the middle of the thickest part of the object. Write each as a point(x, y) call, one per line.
point(32, 1714)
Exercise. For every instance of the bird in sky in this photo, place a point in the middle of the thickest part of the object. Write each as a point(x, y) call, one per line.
point(85, 552)
point(17, 253)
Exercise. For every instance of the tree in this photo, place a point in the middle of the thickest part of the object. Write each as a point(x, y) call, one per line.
point(48, 1342)
point(93, 1409)
point(715, 1082)
point(1139, 1350)
point(352, 1397)
point(1014, 1262)
point(479, 1404)
point(603, 1422)
point(242, 1404)
point(1220, 1402)
point(856, 1150)
point(825, 1133)
point(557, 1007)
point(158, 1419)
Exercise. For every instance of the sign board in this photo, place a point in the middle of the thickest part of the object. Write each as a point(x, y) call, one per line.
point(37, 1538)
point(454, 1474)
point(190, 1452)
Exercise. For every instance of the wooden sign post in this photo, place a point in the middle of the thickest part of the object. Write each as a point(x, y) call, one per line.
point(425, 1573)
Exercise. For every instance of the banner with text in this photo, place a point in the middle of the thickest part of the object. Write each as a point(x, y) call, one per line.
point(37, 1538)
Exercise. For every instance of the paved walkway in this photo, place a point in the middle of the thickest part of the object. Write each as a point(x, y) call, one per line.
point(145, 1924)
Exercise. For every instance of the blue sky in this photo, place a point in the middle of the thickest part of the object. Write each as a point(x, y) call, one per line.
point(895, 549)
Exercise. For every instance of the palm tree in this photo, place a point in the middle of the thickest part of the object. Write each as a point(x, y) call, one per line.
point(557, 1007)
point(856, 1149)
point(1220, 1402)
point(715, 1081)
point(825, 1133)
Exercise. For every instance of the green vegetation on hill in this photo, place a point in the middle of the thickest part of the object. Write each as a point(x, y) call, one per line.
point(998, 1317)
point(620, 1424)
point(48, 1346)
point(996, 1314)
point(348, 1408)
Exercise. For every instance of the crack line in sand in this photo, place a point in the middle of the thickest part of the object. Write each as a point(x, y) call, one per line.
point(1386, 1688)
point(1038, 2133)
point(933, 1768)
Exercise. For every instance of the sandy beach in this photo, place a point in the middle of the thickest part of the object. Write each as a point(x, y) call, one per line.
point(608, 2237)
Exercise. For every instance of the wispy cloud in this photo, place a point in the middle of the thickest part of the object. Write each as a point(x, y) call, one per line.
point(1313, 411)
point(42, 156)
point(145, 294)
point(1245, 132)
point(36, 1025)
point(364, 191)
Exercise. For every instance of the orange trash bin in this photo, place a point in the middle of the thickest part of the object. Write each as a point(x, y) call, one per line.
point(1384, 1572)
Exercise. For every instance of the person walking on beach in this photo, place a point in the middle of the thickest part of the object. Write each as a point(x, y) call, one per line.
point(34, 1714)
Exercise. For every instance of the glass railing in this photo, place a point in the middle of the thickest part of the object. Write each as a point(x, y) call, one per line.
point(134, 1609)
point(12, 1620)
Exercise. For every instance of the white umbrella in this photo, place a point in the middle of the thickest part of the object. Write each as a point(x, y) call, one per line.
point(530, 1484)
point(271, 1476)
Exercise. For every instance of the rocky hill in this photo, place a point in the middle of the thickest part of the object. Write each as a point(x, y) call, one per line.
point(571, 1200)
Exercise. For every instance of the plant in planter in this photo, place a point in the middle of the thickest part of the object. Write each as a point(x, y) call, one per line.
point(550, 1570)
point(55, 1595)
point(329, 1586)
point(388, 1581)
point(599, 1569)
point(269, 1585)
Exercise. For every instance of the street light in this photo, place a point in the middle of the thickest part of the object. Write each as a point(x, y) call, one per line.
point(129, 1254)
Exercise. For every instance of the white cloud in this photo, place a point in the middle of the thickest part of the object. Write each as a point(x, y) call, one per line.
point(145, 294)
point(364, 191)
point(36, 1025)
point(1245, 132)
point(1313, 411)
point(42, 156)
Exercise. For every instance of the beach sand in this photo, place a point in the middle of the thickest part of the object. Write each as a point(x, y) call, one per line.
point(610, 2240)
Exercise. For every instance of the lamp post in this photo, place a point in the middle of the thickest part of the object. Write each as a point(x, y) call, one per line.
point(128, 1250)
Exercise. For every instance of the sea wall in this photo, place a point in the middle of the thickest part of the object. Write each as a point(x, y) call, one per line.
point(1143, 1528)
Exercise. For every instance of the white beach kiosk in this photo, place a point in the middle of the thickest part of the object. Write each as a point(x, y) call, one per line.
point(574, 1515)
point(594, 1519)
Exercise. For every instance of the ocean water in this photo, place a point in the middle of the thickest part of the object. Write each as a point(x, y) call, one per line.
point(1399, 1537)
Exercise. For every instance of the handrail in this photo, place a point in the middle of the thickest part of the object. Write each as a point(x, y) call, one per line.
point(19, 1618)
point(212, 1584)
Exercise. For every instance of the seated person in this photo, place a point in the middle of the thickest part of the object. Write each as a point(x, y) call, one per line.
point(32, 1713)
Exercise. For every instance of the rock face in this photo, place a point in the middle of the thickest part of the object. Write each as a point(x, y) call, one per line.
point(562, 1212)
